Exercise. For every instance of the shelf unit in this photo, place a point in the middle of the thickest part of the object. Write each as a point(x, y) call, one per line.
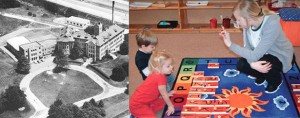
point(190, 19)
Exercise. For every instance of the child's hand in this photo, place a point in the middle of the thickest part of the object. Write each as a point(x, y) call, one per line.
point(170, 110)
point(171, 93)
point(261, 66)
point(226, 37)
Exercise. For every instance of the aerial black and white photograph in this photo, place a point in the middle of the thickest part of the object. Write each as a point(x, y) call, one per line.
point(64, 59)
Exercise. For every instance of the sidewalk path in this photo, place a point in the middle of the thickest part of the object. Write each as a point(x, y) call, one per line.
point(41, 111)
point(28, 19)
point(94, 10)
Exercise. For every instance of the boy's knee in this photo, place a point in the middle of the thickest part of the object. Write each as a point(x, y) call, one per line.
point(171, 78)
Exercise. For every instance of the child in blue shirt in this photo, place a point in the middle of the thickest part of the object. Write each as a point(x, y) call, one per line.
point(147, 42)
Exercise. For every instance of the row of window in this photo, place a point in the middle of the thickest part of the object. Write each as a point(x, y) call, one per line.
point(34, 58)
point(33, 54)
point(91, 55)
point(78, 24)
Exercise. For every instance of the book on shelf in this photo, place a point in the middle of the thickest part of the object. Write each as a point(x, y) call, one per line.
point(140, 4)
point(196, 3)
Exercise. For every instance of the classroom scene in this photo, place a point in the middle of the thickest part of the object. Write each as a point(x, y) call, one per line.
point(214, 58)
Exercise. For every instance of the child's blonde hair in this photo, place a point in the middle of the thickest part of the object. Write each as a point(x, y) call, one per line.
point(146, 38)
point(157, 59)
point(250, 9)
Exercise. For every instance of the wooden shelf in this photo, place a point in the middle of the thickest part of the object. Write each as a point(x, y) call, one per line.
point(188, 28)
point(172, 6)
point(201, 28)
point(212, 5)
point(189, 18)
point(153, 28)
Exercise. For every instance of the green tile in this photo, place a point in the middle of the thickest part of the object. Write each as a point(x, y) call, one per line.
point(187, 69)
point(190, 62)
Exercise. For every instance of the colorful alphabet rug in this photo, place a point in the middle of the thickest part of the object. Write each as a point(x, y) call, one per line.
point(214, 88)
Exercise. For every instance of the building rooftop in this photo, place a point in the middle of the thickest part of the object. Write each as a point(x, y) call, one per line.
point(111, 32)
point(41, 38)
point(65, 38)
point(114, 30)
point(82, 35)
point(30, 45)
point(77, 19)
point(17, 41)
point(47, 43)
point(99, 40)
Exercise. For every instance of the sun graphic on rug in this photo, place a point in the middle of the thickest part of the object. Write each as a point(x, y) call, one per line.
point(242, 101)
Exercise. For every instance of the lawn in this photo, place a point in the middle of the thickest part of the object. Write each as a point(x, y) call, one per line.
point(106, 67)
point(40, 13)
point(8, 76)
point(71, 86)
point(19, 114)
point(7, 72)
point(8, 25)
point(116, 106)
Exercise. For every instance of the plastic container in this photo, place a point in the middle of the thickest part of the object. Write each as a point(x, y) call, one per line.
point(213, 23)
point(226, 22)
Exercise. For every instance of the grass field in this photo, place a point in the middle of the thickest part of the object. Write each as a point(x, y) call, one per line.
point(8, 25)
point(8, 76)
point(107, 67)
point(72, 87)
point(116, 105)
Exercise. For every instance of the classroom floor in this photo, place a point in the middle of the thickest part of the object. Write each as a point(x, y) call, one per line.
point(183, 46)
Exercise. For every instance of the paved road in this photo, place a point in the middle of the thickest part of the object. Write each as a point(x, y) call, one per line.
point(94, 10)
point(119, 4)
point(41, 111)
point(28, 19)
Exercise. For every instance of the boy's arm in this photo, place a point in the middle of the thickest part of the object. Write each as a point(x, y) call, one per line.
point(142, 66)
point(146, 71)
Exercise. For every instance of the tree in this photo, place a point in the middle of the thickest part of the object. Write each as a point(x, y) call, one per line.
point(55, 51)
point(124, 48)
point(2, 103)
point(58, 102)
point(59, 110)
point(9, 4)
point(29, 13)
point(118, 74)
point(69, 110)
point(93, 102)
point(71, 12)
point(92, 30)
point(23, 65)
point(101, 104)
point(94, 112)
point(33, 15)
point(107, 56)
point(52, 7)
point(126, 37)
point(54, 108)
point(86, 105)
point(15, 98)
point(76, 51)
point(125, 68)
point(81, 114)
point(45, 15)
point(61, 61)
